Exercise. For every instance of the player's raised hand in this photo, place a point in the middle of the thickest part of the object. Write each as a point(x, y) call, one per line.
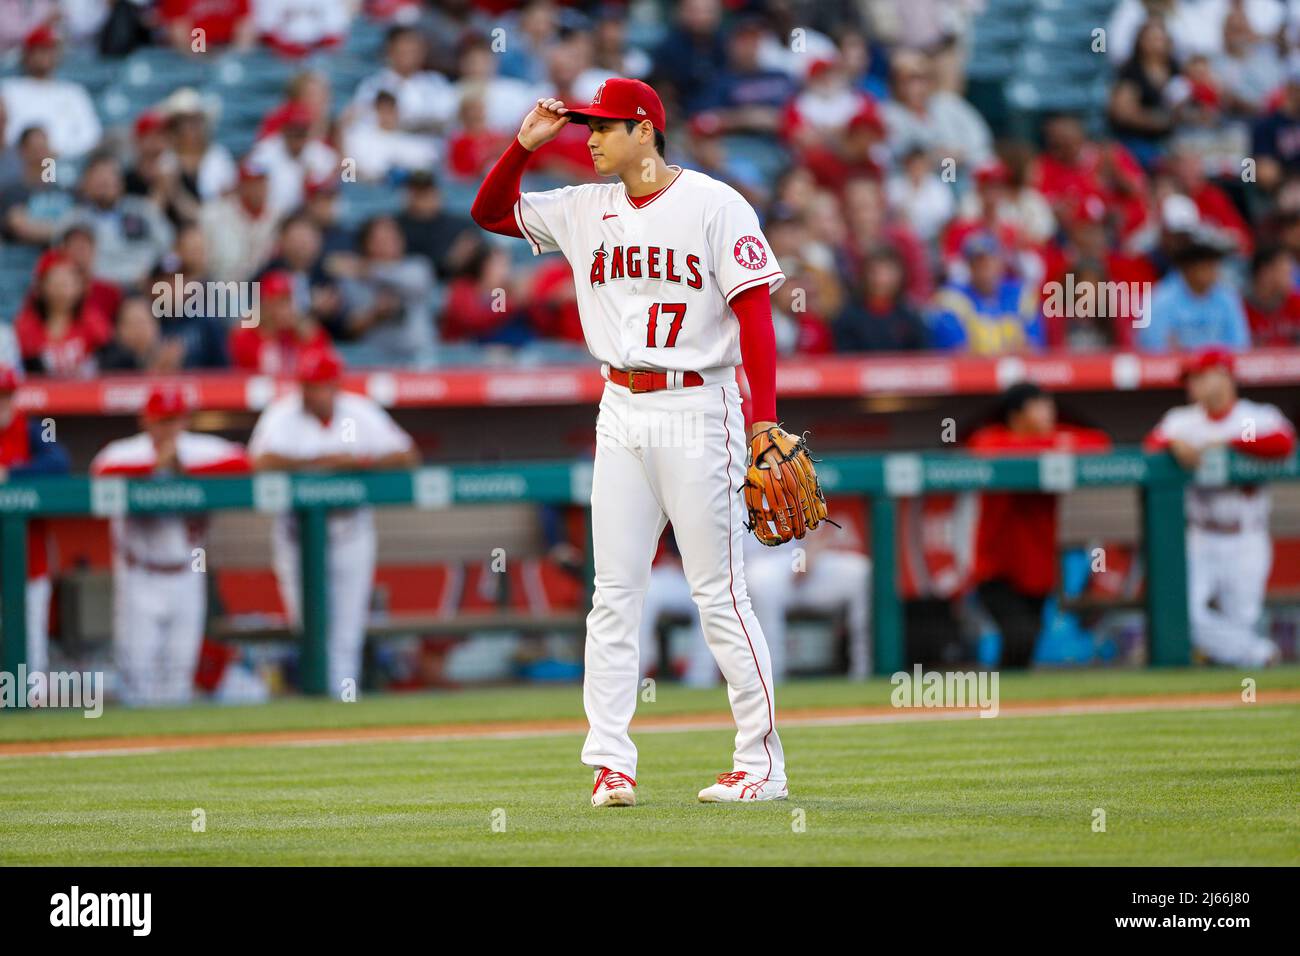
point(543, 124)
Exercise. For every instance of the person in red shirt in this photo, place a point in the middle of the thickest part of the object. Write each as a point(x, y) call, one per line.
point(79, 243)
point(1071, 167)
point(58, 328)
point(223, 22)
point(1273, 302)
point(1015, 540)
point(28, 450)
point(273, 345)
point(475, 311)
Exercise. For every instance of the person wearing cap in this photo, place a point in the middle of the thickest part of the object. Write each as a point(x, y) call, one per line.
point(206, 169)
point(58, 329)
point(63, 108)
point(674, 280)
point(323, 427)
point(159, 567)
point(822, 111)
point(240, 228)
point(292, 157)
point(131, 233)
point(993, 313)
point(1195, 306)
point(1015, 540)
point(28, 449)
point(1229, 551)
point(273, 345)
point(154, 174)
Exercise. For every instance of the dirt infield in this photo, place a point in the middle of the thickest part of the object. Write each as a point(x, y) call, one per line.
point(518, 729)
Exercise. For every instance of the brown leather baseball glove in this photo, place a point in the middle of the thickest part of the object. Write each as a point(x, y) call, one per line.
point(782, 493)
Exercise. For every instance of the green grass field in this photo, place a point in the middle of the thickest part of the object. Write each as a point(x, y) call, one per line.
point(1177, 787)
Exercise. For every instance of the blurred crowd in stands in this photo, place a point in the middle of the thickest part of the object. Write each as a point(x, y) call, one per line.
point(902, 217)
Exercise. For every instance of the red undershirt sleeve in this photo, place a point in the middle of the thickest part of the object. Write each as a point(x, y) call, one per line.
point(1275, 445)
point(753, 308)
point(494, 206)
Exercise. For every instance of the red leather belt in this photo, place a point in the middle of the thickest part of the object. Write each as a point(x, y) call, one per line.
point(638, 380)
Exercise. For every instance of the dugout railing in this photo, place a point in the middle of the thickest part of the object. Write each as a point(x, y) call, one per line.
point(881, 479)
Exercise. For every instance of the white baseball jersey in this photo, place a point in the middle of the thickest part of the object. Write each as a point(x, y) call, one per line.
point(162, 540)
point(654, 282)
point(359, 427)
point(1227, 507)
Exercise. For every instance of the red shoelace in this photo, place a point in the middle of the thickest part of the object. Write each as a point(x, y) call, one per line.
point(731, 779)
point(613, 780)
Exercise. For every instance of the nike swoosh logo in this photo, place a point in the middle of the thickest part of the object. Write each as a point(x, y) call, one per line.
point(609, 215)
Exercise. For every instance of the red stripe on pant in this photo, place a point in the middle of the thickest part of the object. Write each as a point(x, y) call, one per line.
point(731, 586)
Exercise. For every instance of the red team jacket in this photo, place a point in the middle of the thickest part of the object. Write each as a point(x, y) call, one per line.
point(1015, 540)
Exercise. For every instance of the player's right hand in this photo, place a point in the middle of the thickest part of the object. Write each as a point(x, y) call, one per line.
point(543, 124)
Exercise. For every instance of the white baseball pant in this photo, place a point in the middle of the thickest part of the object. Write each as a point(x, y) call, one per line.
point(1232, 570)
point(674, 455)
point(350, 574)
point(158, 620)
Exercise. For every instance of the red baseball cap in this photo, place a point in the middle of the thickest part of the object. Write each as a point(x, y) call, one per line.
point(42, 35)
point(148, 122)
point(276, 284)
point(319, 366)
point(48, 260)
point(622, 98)
point(1213, 357)
point(992, 172)
point(8, 380)
point(868, 118)
point(166, 401)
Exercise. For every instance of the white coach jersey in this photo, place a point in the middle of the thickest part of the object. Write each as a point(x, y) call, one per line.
point(161, 540)
point(359, 427)
point(1227, 507)
point(654, 283)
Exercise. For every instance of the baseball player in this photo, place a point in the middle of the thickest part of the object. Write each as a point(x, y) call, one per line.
point(662, 257)
point(1229, 552)
point(27, 450)
point(159, 591)
point(321, 427)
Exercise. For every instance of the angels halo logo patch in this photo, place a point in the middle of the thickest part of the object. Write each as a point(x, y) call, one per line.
point(749, 252)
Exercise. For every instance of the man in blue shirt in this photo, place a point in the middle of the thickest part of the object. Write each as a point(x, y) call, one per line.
point(1194, 306)
point(992, 314)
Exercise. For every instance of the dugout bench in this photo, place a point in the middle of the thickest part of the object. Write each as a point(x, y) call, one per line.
point(880, 478)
